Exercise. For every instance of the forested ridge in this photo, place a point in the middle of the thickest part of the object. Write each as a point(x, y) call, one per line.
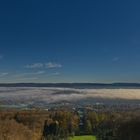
point(38, 124)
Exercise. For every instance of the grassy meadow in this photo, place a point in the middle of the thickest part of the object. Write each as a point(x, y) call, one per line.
point(83, 138)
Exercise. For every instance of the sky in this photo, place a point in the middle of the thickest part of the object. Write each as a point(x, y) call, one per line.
point(69, 41)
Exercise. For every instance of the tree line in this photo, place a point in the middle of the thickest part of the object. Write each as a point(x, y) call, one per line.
point(62, 124)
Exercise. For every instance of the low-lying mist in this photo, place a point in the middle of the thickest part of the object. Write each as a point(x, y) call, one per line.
point(39, 96)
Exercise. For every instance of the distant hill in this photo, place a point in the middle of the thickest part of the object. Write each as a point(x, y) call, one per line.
point(73, 85)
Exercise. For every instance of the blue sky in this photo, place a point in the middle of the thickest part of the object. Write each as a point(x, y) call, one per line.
point(70, 41)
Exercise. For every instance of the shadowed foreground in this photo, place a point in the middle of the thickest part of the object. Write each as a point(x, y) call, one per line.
point(65, 124)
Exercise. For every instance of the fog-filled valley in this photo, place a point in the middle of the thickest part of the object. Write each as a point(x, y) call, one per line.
point(45, 96)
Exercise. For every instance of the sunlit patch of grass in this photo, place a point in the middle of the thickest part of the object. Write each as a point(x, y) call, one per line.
point(83, 138)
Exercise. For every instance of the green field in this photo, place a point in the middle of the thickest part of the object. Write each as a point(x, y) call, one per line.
point(83, 138)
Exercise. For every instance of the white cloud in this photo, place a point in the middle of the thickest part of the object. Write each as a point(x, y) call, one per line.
point(48, 65)
point(53, 65)
point(29, 74)
point(4, 74)
point(30, 78)
point(55, 74)
point(39, 72)
point(35, 65)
